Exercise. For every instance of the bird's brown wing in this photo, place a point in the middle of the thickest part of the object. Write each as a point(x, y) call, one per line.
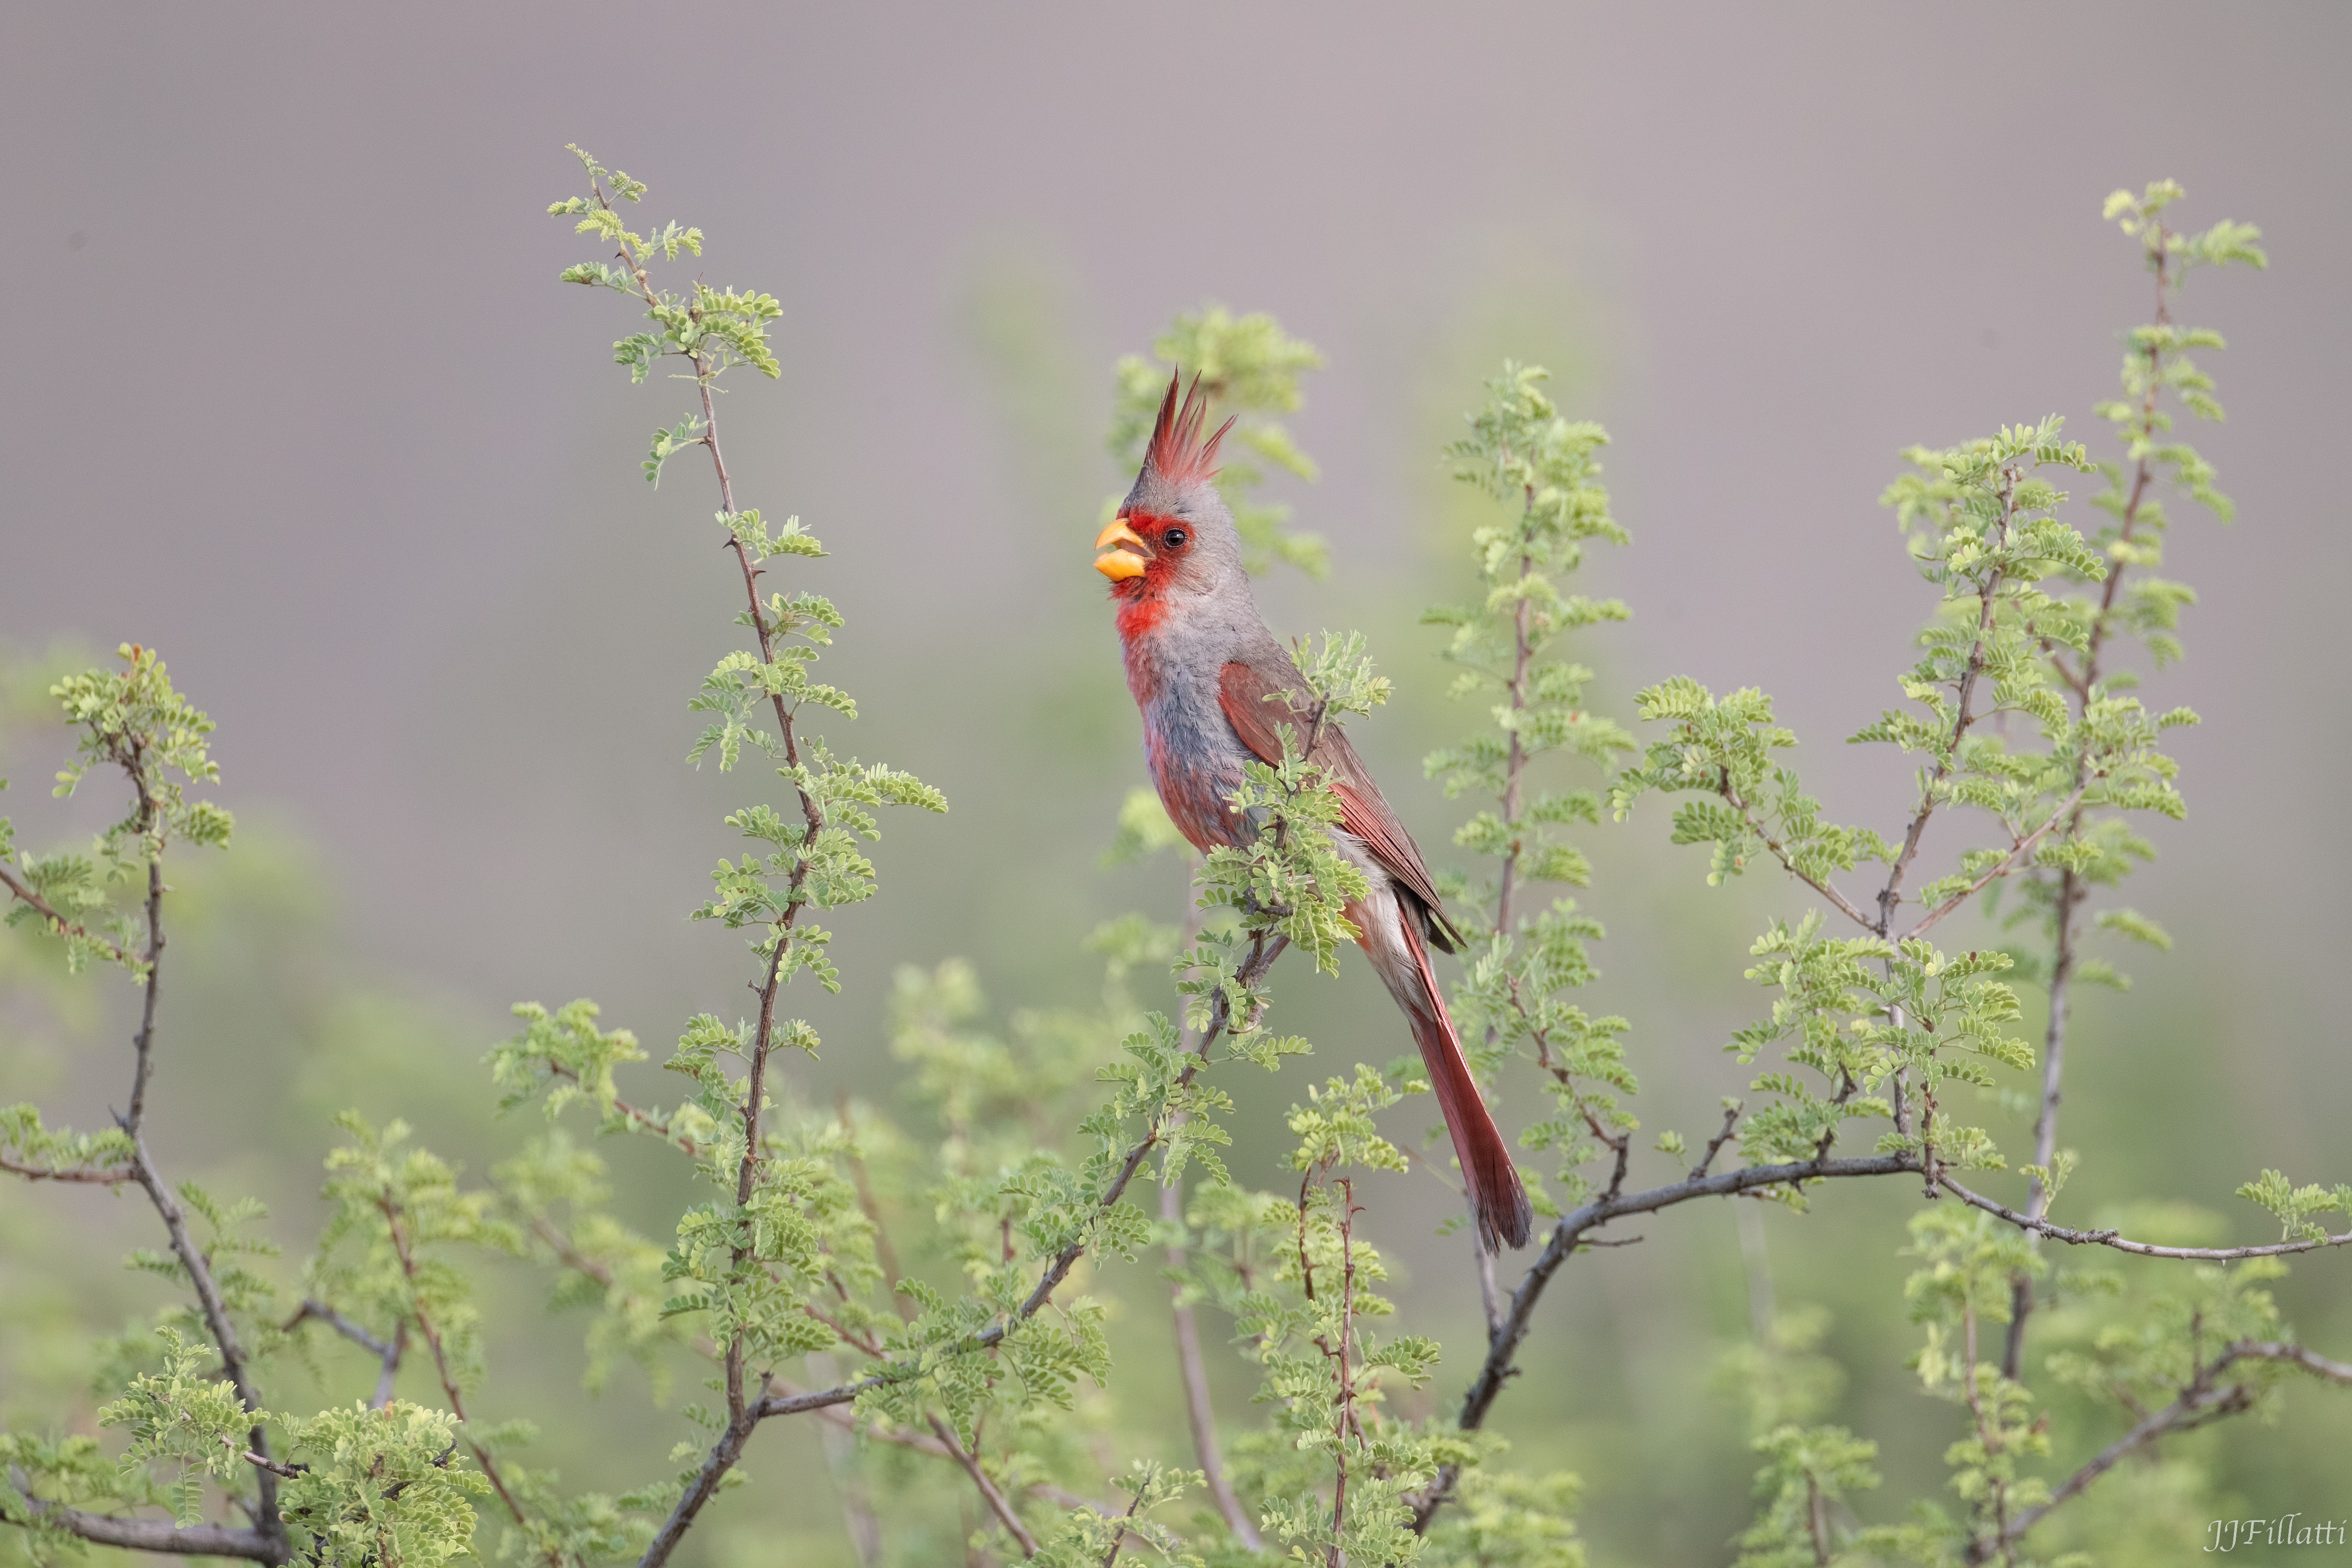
point(1260, 706)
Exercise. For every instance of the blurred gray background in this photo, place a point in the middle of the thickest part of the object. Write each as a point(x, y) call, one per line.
point(291, 393)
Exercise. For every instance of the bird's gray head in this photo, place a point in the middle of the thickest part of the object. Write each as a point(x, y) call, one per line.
point(1173, 540)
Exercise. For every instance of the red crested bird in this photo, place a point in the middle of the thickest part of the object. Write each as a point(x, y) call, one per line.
point(1203, 666)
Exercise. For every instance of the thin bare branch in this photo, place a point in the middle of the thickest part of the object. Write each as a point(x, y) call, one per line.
point(109, 1176)
point(636, 1115)
point(1119, 1542)
point(2122, 1243)
point(2277, 1349)
point(263, 1462)
point(843, 1420)
point(2202, 1402)
point(2071, 890)
point(161, 1535)
point(390, 1376)
point(61, 926)
point(1891, 895)
point(1569, 1235)
point(996, 1501)
point(387, 1352)
point(1715, 1145)
point(2002, 868)
point(313, 1310)
point(1490, 1289)
point(1825, 889)
point(449, 1388)
point(2188, 1412)
point(884, 1252)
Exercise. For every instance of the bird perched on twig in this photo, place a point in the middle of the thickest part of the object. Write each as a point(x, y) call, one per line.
point(1216, 690)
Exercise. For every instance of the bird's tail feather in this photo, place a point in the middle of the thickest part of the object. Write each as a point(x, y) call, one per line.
point(1496, 1193)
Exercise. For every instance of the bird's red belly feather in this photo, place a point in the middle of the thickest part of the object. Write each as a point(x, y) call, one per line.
point(1196, 802)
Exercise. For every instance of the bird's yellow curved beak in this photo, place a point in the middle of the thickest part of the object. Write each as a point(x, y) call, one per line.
point(1125, 552)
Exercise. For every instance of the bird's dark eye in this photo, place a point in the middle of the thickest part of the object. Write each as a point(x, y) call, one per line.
point(1174, 539)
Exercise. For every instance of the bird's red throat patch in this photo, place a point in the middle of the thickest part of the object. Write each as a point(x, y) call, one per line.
point(1141, 611)
point(1142, 605)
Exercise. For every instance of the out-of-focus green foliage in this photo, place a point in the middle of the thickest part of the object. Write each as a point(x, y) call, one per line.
point(1250, 369)
point(1514, 1001)
point(133, 720)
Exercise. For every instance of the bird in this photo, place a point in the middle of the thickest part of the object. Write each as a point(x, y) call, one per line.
point(1216, 691)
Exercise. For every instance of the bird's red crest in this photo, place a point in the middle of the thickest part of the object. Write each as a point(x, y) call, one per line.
point(1177, 454)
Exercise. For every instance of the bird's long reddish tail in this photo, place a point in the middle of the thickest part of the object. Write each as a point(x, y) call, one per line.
point(1496, 1195)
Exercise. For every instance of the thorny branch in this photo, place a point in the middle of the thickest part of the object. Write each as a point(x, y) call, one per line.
point(2036, 1227)
point(1779, 852)
point(2008, 863)
point(160, 1535)
point(269, 1542)
point(1571, 1233)
point(2203, 1400)
point(1890, 896)
point(744, 1407)
point(2071, 890)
